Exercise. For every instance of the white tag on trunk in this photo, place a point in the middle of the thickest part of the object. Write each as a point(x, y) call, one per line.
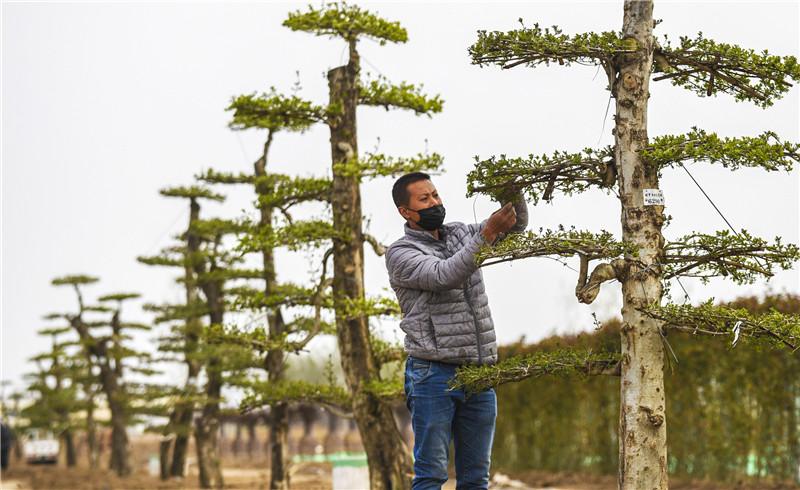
point(653, 197)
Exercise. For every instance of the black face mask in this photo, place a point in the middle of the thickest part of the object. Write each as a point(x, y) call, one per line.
point(430, 218)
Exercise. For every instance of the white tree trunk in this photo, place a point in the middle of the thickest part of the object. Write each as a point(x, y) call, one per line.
point(643, 429)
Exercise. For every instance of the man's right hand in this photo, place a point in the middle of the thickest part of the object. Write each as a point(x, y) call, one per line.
point(499, 222)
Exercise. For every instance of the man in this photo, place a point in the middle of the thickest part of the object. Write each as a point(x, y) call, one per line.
point(447, 323)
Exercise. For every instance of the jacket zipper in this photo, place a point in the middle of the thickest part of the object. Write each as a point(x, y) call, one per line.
point(475, 321)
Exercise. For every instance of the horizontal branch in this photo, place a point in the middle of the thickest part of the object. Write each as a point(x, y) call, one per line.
point(560, 362)
point(379, 165)
point(764, 151)
point(349, 22)
point(262, 393)
point(563, 243)
point(274, 112)
point(538, 176)
point(740, 257)
point(707, 68)
point(535, 46)
point(404, 96)
point(192, 192)
point(773, 328)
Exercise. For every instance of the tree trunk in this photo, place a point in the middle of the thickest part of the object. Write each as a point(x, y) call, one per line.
point(163, 457)
point(274, 362)
point(185, 410)
point(207, 426)
point(387, 455)
point(207, 433)
point(110, 378)
point(91, 435)
point(69, 444)
point(643, 428)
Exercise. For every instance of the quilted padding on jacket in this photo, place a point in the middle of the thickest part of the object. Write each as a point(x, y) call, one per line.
point(445, 310)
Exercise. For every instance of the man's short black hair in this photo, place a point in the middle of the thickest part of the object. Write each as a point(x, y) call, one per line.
point(400, 188)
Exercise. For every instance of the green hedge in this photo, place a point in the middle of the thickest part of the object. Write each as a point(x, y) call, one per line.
point(731, 413)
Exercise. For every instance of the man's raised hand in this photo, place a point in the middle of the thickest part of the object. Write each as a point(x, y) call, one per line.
point(499, 222)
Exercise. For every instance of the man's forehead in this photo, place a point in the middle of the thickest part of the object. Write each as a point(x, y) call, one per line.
point(421, 187)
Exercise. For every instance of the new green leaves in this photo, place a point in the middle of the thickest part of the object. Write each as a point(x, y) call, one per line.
point(560, 362)
point(765, 150)
point(706, 68)
point(740, 257)
point(535, 46)
point(700, 65)
point(774, 328)
point(404, 96)
point(274, 112)
point(539, 176)
point(346, 21)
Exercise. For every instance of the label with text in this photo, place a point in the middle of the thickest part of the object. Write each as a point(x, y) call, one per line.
point(653, 197)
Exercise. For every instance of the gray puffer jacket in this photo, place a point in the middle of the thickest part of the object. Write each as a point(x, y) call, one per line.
point(441, 293)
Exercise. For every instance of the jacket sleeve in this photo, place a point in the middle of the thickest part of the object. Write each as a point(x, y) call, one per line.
point(410, 268)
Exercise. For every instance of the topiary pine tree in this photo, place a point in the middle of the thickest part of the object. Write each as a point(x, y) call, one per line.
point(275, 193)
point(212, 265)
point(186, 333)
point(642, 261)
point(107, 353)
point(55, 397)
point(388, 458)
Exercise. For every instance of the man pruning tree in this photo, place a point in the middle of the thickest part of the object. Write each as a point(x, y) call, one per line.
point(447, 323)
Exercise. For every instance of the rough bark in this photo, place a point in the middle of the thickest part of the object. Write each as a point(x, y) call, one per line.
point(387, 455)
point(274, 362)
point(643, 428)
point(184, 412)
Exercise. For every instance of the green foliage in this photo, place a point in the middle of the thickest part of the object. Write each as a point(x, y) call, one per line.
point(168, 313)
point(765, 151)
point(274, 112)
point(772, 328)
point(740, 257)
point(283, 294)
point(538, 176)
point(561, 242)
point(474, 379)
point(192, 192)
point(259, 393)
point(346, 21)
point(74, 280)
point(119, 297)
point(285, 190)
point(295, 236)
point(534, 46)
point(374, 165)
point(706, 68)
point(212, 176)
point(404, 96)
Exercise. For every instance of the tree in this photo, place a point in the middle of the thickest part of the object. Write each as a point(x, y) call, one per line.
point(187, 332)
point(642, 261)
point(388, 458)
point(55, 396)
point(275, 193)
point(108, 354)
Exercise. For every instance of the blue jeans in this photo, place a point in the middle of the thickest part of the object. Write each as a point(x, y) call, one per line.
point(439, 416)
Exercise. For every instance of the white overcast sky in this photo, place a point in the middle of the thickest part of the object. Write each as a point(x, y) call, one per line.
point(104, 103)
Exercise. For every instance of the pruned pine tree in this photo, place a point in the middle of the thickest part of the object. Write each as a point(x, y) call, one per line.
point(102, 343)
point(642, 260)
point(212, 265)
point(55, 397)
point(276, 194)
point(186, 331)
point(388, 458)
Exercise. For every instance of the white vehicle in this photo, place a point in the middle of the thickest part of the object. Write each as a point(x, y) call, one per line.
point(40, 446)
